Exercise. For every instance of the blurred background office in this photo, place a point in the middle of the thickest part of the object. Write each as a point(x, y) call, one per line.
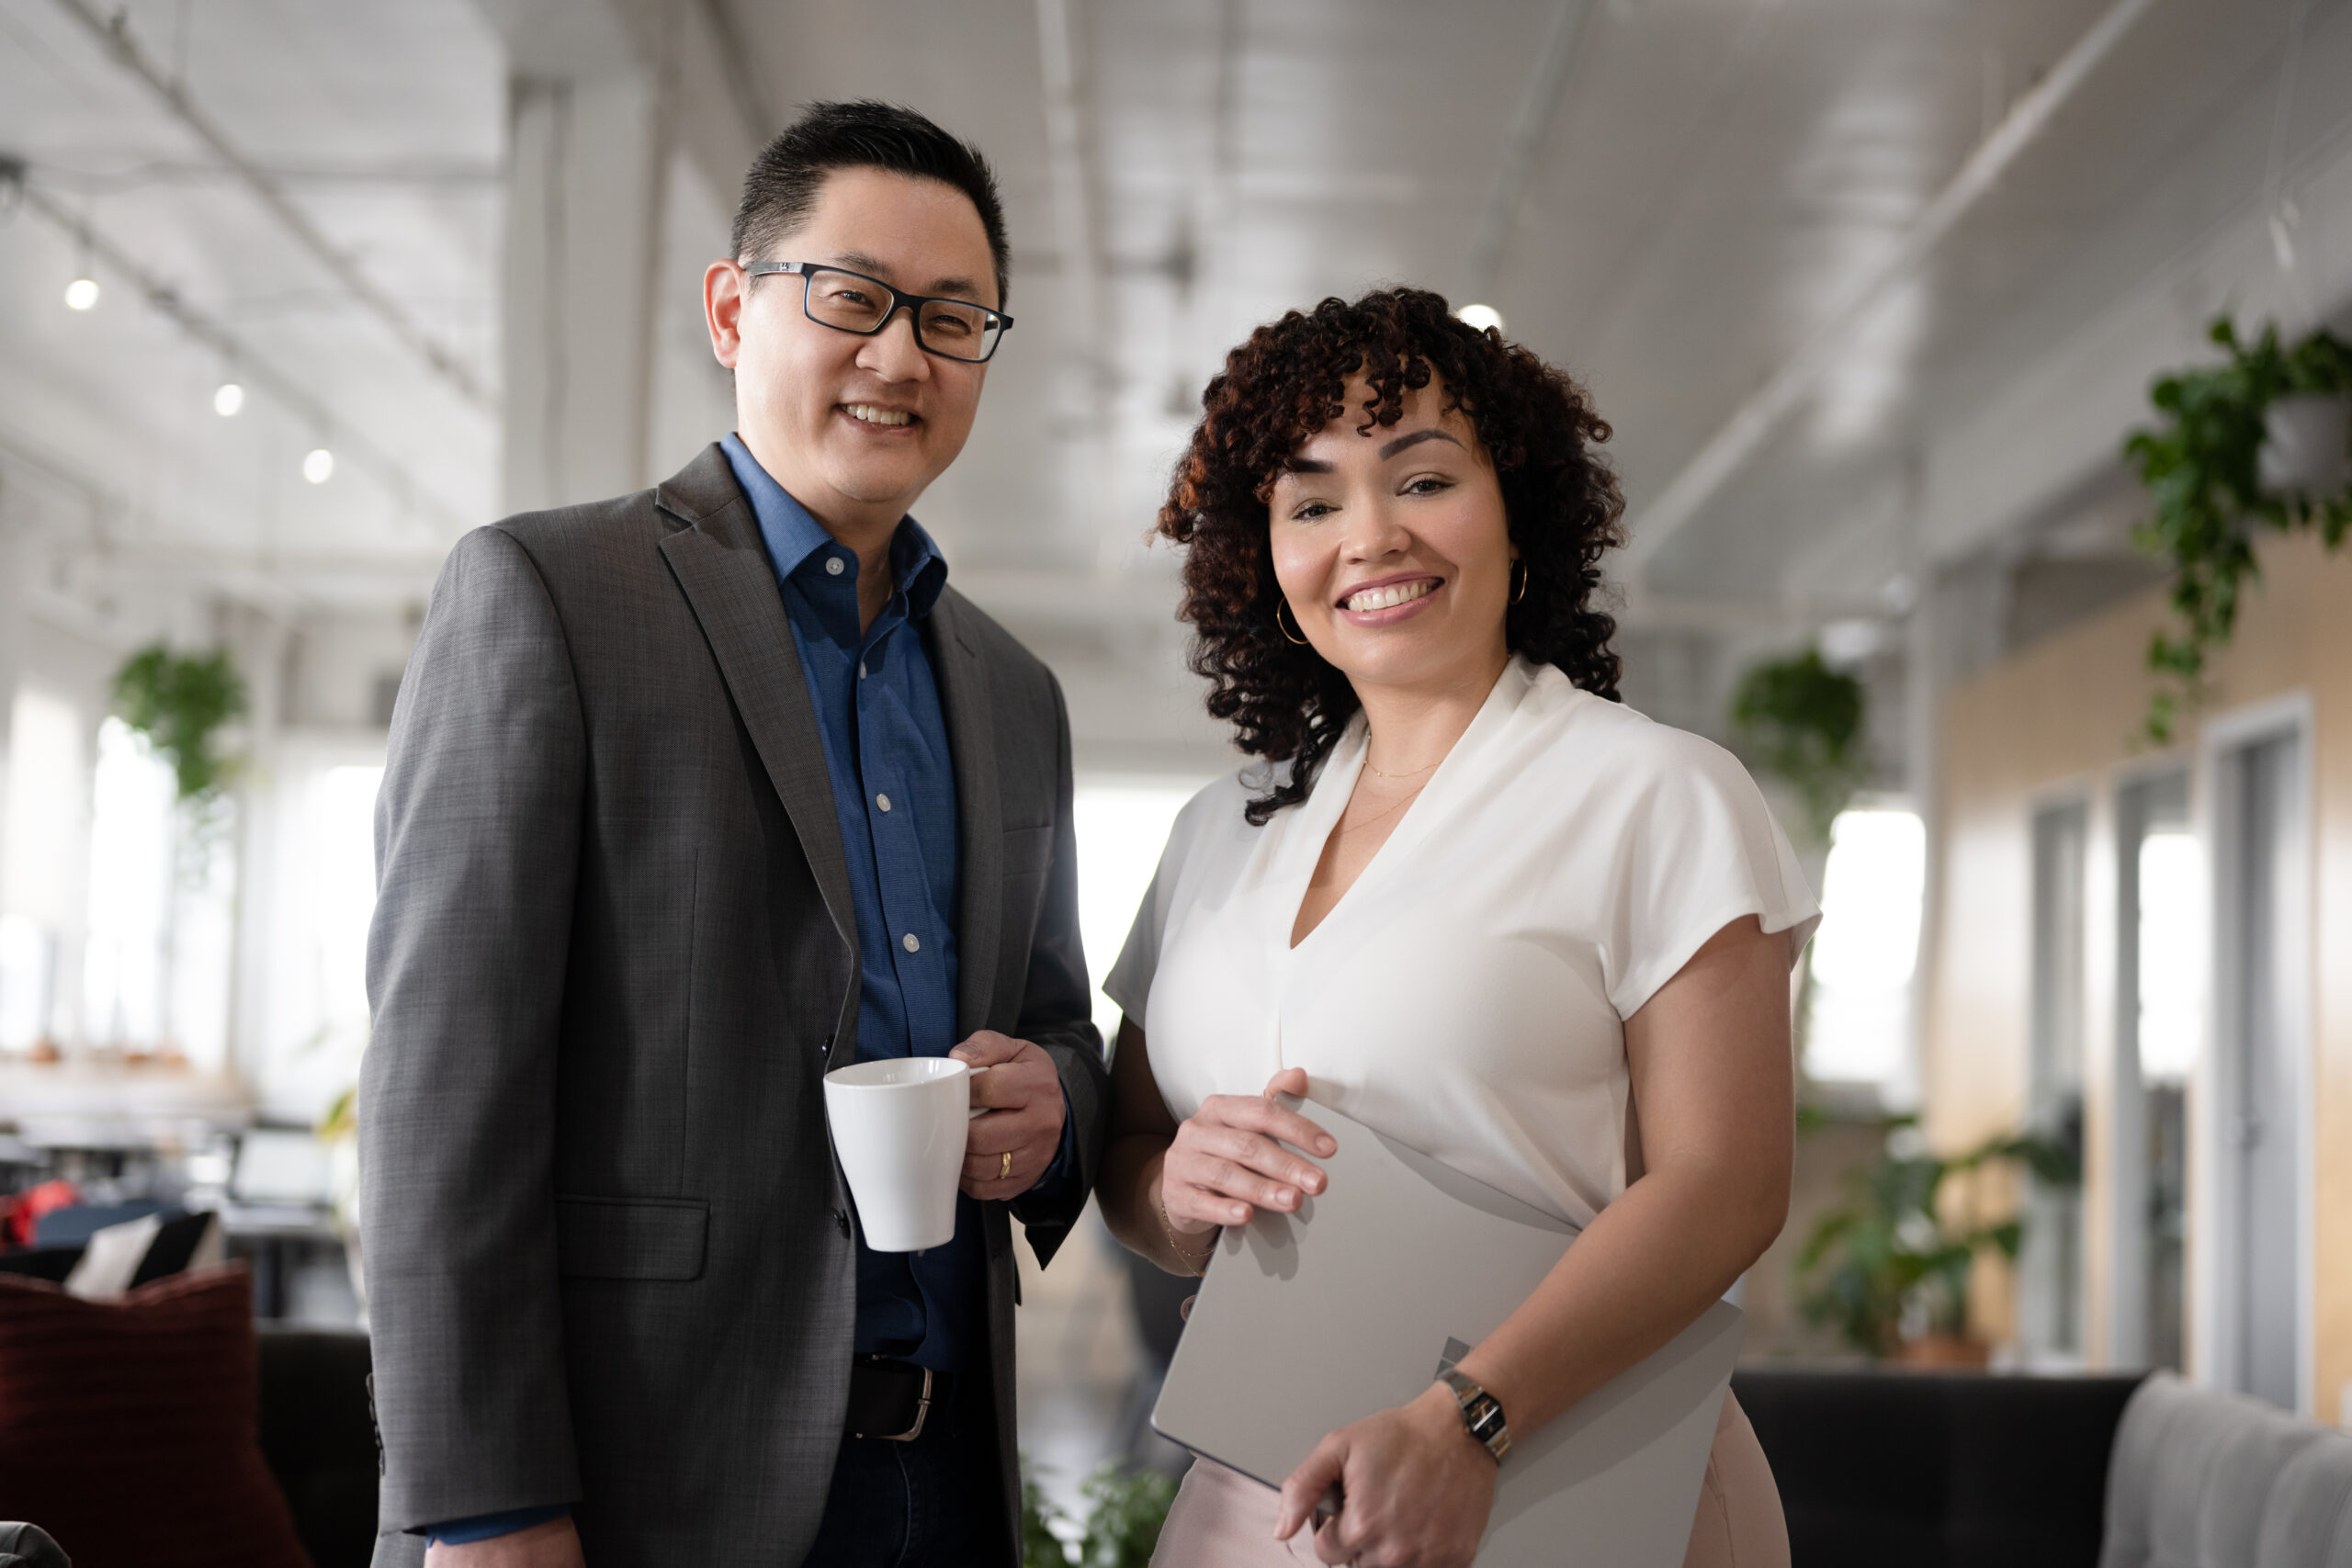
point(293, 295)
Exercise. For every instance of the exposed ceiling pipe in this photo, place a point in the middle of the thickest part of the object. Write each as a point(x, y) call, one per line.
point(1761, 414)
point(361, 453)
point(1537, 108)
point(114, 36)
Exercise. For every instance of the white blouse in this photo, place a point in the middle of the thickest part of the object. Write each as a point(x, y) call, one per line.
point(1467, 996)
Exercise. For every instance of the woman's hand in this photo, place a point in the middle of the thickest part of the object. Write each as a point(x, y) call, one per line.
point(1225, 1163)
point(1417, 1488)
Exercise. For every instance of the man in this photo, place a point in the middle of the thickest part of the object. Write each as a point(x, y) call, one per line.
point(692, 796)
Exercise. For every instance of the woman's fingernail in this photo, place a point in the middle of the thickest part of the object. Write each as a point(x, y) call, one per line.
point(1286, 1196)
point(1326, 1147)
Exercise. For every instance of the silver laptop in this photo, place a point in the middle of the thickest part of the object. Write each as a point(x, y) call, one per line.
point(1310, 1321)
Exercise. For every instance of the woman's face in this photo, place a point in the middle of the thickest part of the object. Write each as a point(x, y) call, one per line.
point(1392, 547)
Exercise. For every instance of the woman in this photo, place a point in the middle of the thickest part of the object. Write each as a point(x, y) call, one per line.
point(1482, 907)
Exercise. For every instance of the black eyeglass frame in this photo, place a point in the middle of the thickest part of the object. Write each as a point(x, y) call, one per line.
point(900, 299)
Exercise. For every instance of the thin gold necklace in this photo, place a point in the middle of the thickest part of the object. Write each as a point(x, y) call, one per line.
point(1362, 822)
point(1382, 773)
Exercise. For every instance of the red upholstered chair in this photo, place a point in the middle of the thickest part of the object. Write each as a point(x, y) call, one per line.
point(129, 1429)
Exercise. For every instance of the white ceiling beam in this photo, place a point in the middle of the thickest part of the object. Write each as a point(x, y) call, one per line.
point(113, 35)
point(1756, 420)
point(1538, 107)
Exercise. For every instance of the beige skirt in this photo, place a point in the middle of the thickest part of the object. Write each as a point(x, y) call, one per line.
point(1223, 1519)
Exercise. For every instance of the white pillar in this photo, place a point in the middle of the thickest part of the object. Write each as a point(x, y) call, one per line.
point(13, 566)
point(258, 641)
point(585, 201)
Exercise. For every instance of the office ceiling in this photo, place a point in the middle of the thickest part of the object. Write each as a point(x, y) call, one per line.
point(1673, 197)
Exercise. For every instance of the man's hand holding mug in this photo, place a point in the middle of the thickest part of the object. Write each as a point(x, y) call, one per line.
point(1023, 1096)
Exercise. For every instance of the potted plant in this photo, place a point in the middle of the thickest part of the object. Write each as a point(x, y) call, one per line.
point(2257, 441)
point(1889, 1269)
point(1127, 1506)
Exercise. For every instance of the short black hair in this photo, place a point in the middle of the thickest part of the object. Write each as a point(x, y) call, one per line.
point(867, 134)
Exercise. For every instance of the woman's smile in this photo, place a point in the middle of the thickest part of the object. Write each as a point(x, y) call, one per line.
point(1388, 600)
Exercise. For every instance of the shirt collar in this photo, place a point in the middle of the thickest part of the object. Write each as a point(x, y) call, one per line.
point(792, 536)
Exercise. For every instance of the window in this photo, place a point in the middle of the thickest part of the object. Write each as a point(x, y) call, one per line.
point(325, 897)
point(48, 801)
point(131, 833)
point(1858, 1012)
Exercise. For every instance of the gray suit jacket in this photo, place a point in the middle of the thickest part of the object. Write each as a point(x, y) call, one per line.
point(607, 1245)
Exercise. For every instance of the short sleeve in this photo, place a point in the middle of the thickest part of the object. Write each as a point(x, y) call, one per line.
point(1129, 982)
point(1701, 850)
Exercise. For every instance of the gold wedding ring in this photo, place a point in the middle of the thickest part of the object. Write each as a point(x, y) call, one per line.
point(1004, 1171)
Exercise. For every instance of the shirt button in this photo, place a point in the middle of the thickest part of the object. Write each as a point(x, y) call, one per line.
point(861, 668)
point(832, 566)
point(910, 944)
point(883, 801)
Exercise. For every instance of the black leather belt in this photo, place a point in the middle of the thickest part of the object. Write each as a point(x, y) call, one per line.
point(888, 1398)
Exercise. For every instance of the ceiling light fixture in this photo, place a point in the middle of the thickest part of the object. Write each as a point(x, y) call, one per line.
point(228, 399)
point(1481, 317)
point(81, 293)
point(318, 466)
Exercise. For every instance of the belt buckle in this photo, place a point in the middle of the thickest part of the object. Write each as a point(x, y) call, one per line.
point(923, 1409)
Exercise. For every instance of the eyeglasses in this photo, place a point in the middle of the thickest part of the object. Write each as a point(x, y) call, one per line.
point(852, 302)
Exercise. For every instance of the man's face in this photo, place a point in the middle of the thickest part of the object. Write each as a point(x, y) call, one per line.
point(855, 427)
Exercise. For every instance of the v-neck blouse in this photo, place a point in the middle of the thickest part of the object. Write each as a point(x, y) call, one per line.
point(1467, 996)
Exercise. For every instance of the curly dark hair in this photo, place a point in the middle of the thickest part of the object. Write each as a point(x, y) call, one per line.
point(1560, 500)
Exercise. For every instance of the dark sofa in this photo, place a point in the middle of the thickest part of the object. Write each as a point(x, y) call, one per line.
point(1934, 1469)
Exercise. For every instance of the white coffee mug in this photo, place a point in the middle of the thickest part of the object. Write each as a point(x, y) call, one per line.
point(898, 1127)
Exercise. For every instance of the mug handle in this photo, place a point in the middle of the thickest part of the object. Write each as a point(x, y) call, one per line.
point(977, 1110)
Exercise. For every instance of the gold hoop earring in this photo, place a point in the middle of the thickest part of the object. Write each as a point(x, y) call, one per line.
point(1280, 604)
point(1519, 571)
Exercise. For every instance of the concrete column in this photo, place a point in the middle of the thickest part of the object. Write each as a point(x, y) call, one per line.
point(260, 643)
point(13, 566)
point(585, 206)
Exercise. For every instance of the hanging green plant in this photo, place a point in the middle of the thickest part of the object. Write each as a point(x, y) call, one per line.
point(2203, 467)
point(1801, 721)
point(180, 703)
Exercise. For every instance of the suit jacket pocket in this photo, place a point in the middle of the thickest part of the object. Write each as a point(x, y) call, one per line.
point(630, 1238)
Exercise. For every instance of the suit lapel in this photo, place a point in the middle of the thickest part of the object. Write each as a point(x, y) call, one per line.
point(963, 680)
point(723, 567)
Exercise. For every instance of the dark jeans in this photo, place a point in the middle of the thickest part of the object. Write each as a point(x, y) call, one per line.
point(911, 1504)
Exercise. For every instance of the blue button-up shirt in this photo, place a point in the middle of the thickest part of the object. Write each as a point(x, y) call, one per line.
point(894, 790)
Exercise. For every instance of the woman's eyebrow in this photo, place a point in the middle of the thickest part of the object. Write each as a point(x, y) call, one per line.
point(1428, 433)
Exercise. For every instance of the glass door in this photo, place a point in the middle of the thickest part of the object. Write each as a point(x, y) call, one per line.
point(2160, 1022)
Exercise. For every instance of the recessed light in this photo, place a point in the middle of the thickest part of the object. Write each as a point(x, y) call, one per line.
point(228, 399)
point(319, 466)
point(81, 293)
point(1481, 317)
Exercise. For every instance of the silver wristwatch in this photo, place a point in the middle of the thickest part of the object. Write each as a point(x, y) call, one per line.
point(1482, 1412)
